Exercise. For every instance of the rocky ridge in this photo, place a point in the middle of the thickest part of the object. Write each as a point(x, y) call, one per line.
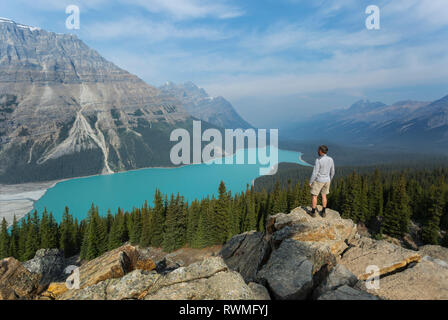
point(297, 258)
point(62, 105)
point(215, 110)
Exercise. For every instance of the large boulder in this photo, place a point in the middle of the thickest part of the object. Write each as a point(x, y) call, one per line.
point(245, 253)
point(260, 292)
point(347, 293)
point(331, 231)
point(338, 277)
point(289, 272)
point(16, 282)
point(221, 286)
point(113, 264)
point(426, 280)
point(384, 255)
point(207, 279)
point(131, 286)
point(167, 262)
point(50, 264)
point(304, 251)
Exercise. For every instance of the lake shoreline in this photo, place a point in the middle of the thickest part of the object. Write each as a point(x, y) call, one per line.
point(19, 199)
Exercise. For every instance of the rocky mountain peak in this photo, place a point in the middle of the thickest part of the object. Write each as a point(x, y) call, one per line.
point(215, 110)
point(365, 106)
point(9, 21)
point(61, 100)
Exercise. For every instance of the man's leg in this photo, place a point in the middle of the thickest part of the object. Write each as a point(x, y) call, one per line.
point(324, 200)
point(325, 191)
point(315, 189)
point(314, 204)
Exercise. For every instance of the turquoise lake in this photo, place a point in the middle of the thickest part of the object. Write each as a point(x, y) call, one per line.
point(130, 189)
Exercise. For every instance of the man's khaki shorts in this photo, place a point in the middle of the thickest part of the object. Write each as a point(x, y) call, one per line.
point(320, 187)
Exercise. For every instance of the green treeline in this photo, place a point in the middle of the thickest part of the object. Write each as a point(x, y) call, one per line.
point(385, 200)
point(171, 223)
point(385, 203)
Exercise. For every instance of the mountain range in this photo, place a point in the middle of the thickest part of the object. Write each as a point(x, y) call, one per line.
point(403, 125)
point(65, 111)
point(215, 110)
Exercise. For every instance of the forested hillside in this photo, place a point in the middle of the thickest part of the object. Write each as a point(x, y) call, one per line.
point(386, 203)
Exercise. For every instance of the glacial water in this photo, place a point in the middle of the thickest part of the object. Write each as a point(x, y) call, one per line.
point(130, 189)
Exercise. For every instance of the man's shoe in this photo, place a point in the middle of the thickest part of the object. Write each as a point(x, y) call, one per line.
point(324, 213)
point(313, 213)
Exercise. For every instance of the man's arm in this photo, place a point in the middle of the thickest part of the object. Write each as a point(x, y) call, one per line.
point(315, 171)
point(332, 171)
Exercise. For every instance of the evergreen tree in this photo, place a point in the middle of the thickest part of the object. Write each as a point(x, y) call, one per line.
point(13, 243)
point(430, 231)
point(289, 197)
point(175, 224)
point(45, 231)
point(23, 233)
point(4, 240)
point(32, 236)
point(157, 221)
point(95, 239)
point(68, 238)
point(397, 212)
point(204, 234)
point(134, 225)
point(220, 218)
point(192, 221)
point(445, 240)
point(145, 239)
point(375, 198)
point(117, 234)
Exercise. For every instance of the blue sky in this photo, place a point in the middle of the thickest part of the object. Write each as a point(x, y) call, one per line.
point(277, 61)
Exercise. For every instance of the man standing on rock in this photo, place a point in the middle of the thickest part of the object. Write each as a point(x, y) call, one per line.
point(321, 178)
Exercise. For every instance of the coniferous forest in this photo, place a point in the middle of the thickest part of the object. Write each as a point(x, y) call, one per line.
point(385, 203)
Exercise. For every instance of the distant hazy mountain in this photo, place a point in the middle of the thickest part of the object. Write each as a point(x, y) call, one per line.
point(199, 104)
point(407, 124)
point(66, 111)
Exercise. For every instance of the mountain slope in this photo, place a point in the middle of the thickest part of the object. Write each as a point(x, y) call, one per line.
point(405, 124)
point(65, 111)
point(198, 103)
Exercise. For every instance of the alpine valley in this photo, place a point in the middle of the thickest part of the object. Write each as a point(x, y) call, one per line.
point(65, 111)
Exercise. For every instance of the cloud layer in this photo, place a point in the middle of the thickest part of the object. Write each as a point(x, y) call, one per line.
point(289, 52)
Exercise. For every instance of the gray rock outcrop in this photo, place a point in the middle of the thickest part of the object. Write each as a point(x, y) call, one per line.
point(425, 280)
point(50, 264)
point(245, 253)
point(387, 257)
point(347, 293)
point(338, 277)
point(288, 274)
point(207, 279)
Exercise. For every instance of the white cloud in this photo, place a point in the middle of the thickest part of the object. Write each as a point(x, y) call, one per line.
point(148, 30)
point(414, 13)
point(188, 9)
point(282, 37)
point(60, 5)
point(366, 70)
